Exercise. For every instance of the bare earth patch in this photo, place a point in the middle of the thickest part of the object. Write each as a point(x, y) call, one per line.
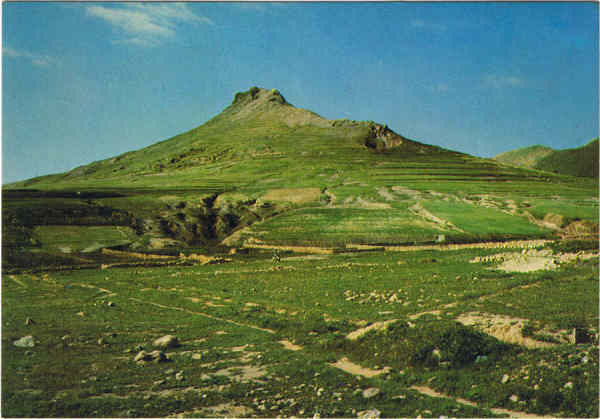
point(244, 373)
point(511, 413)
point(297, 196)
point(228, 410)
point(371, 205)
point(504, 328)
point(533, 260)
point(364, 330)
point(289, 345)
point(432, 312)
point(438, 222)
point(406, 191)
point(346, 365)
point(383, 192)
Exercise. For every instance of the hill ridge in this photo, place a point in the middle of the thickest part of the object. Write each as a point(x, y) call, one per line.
point(579, 161)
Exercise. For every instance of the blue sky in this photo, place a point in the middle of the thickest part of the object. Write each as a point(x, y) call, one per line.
point(86, 81)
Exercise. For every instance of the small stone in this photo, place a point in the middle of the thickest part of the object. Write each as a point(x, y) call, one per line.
point(369, 414)
point(154, 356)
point(140, 356)
point(167, 341)
point(505, 379)
point(514, 398)
point(25, 342)
point(370, 392)
point(159, 383)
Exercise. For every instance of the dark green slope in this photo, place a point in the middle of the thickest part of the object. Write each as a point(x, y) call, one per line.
point(581, 161)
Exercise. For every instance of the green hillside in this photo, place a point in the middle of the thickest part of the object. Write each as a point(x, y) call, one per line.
point(581, 161)
point(265, 173)
point(526, 156)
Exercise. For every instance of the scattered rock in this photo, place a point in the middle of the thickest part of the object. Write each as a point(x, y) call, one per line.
point(25, 342)
point(369, 414)
point(154, 356)
point(370, 392)
point(167, 341)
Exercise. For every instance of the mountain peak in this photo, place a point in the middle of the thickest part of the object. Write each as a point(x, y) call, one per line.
point(257, 95)
point(263, 104)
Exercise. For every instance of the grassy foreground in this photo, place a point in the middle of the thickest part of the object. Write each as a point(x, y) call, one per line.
point(231, 318)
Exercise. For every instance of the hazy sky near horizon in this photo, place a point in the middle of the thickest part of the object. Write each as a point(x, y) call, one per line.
point(86, 81)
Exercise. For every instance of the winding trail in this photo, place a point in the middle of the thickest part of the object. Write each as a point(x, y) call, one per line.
point(497, 410)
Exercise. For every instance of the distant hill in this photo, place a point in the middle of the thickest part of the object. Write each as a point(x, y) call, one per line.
point(524, 157)
point(580, 161)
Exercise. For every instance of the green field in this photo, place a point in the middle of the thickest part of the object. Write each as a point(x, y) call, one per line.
point(89, 325)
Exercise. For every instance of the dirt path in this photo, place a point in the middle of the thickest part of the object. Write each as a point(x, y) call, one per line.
point(332, 198)
point(296, 249)
point(18, 281)
point(420, 211)
point(196, 313)
point(364, 330)
point(346, 365)
point(512, 413)
point(208, 316)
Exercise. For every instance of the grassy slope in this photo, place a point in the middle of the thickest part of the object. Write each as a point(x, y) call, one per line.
point(582, 161)
point(526, 157)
